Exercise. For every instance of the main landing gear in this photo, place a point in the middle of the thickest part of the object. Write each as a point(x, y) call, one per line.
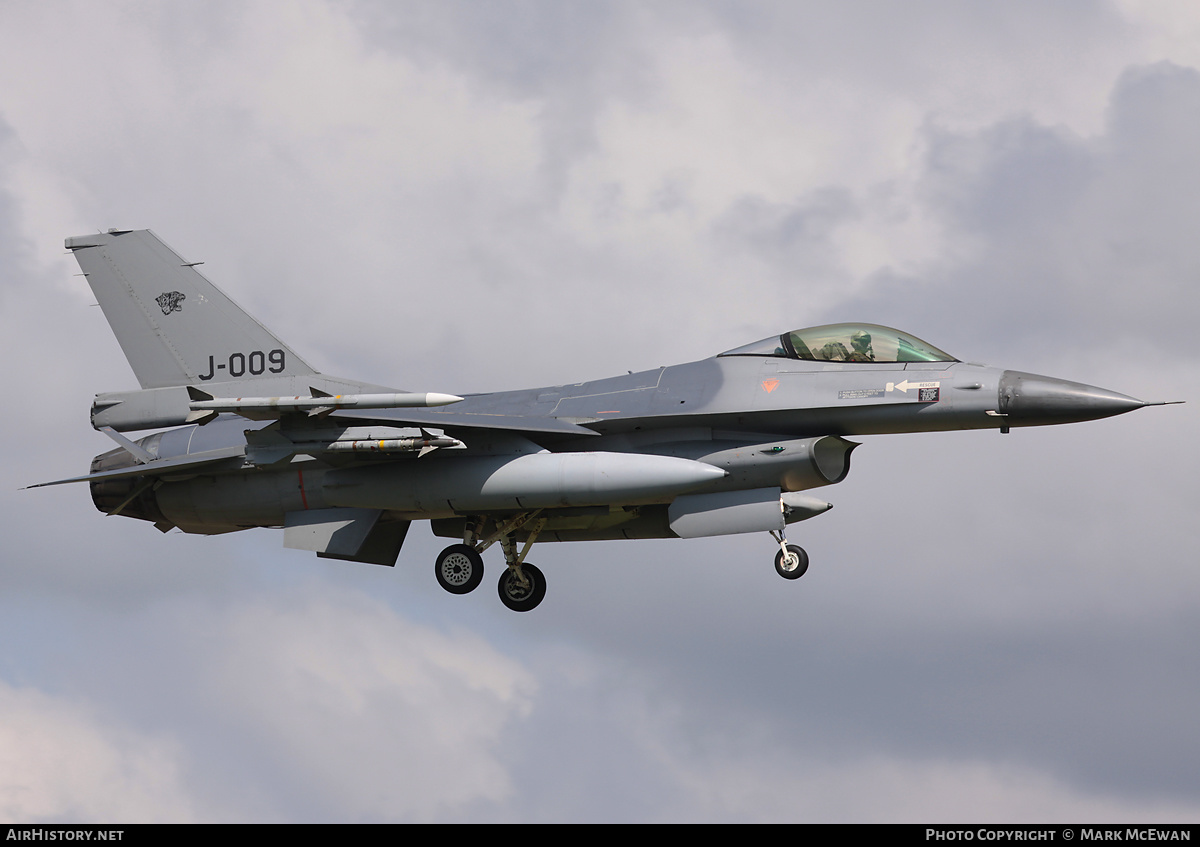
point(459, 568)
point(522, 588)
point(791, 561)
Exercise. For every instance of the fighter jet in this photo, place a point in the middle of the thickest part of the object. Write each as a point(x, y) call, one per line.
point(253, 436)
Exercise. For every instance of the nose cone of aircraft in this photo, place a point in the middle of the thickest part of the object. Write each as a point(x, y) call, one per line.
point(1030, 400)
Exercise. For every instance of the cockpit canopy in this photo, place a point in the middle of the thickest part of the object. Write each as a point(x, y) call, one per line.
point(845, 343)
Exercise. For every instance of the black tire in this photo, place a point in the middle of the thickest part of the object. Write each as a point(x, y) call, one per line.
point(459, 569)
point(518, 597)
point(788, 570)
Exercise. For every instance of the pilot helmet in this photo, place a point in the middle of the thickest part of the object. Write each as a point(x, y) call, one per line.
point(860, 340)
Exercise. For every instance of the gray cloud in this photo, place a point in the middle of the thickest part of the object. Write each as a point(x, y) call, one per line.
point(1072, 242)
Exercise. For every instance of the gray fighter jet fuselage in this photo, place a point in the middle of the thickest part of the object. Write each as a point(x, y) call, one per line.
point(729, 444)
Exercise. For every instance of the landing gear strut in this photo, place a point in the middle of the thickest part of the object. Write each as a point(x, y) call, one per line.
point(791, 561)
point(522, 586)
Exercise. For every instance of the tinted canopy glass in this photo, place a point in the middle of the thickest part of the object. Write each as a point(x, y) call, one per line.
point(846, 343)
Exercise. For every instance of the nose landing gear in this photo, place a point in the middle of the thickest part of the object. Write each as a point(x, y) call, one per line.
point(791, 562)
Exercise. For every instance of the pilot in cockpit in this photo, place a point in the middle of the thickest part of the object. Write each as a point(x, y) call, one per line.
point(861, 342)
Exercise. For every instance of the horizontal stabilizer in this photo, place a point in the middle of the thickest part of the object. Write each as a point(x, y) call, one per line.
point(180, 464)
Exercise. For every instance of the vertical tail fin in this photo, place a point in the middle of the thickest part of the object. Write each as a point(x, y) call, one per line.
point(175, 326)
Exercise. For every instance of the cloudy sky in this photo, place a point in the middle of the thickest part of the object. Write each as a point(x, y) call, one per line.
point(473, 196)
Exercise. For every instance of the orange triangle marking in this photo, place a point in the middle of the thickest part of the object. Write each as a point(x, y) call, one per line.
point(770, 385)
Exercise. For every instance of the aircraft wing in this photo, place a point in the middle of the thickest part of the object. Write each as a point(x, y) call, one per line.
point(161, 467)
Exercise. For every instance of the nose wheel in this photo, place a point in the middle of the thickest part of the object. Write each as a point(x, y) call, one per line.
point(791, 562)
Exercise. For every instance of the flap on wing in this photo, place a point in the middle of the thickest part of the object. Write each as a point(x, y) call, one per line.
point(160, 467)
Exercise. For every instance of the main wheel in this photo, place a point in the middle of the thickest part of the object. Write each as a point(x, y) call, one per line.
point(518, 597)
point(459, 569)
point(794, 564)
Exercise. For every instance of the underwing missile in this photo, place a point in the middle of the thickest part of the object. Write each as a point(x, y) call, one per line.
point(386, 445)
point(269, 446)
